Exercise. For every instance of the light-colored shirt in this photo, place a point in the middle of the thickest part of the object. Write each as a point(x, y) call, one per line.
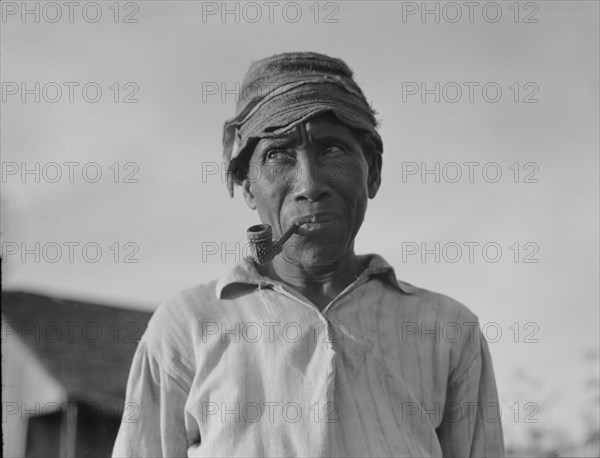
point(249, 367)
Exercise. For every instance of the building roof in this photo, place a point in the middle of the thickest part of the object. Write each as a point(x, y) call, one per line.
point(87, 347)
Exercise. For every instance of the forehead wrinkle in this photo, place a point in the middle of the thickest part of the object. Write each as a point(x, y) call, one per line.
point(286, 139)
point(303, 134)
point(318, 130)
point(326, 128)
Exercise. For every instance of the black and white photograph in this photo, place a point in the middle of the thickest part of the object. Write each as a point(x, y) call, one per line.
point(300, 228)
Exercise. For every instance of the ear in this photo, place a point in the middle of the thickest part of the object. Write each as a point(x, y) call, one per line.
point(248, 196)
point(374, 180)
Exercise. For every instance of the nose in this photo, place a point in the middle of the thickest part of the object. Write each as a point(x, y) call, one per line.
point(309, 187)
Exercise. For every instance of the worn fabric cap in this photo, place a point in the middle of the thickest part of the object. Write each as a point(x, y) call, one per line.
point(285, 90)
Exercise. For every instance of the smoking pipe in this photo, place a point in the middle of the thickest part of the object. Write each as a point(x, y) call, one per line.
point(262, 246)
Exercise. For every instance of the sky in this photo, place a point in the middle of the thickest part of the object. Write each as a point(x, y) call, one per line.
point(490, 128)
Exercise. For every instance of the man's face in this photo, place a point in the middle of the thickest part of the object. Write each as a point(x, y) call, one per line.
point(317, 171)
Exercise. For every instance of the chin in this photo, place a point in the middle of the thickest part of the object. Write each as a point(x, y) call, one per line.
point(315, 251)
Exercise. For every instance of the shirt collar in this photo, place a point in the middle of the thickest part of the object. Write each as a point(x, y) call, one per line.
point(245, 273)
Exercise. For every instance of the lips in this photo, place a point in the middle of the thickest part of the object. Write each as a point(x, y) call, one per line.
point(315, 218)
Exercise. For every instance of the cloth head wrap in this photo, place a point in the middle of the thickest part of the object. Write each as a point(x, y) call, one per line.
point(285, 90)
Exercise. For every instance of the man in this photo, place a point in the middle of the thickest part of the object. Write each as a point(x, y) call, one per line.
point(320, 352)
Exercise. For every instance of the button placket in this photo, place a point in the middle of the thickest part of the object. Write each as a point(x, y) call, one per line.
point(322, 319)
point(333, 337)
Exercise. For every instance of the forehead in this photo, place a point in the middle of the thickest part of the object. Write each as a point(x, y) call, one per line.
point(324, 126)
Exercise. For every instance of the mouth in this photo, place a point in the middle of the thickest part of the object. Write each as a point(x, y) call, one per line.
point(315, 221)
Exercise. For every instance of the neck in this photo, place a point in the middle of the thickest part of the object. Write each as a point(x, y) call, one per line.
point(319, 283)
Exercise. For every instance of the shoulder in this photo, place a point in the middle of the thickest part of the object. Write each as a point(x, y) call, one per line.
point(181, 310)
point(175, 324)
point(415, 301)
point(436, 305)
point(442, 322)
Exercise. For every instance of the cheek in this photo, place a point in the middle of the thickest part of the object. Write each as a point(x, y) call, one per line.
point(269, 195)
point(355, 189)
point(352, 178)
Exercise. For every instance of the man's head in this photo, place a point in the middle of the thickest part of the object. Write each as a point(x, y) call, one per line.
point(305, 144)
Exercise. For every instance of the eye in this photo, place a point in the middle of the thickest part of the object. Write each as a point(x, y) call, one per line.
point(334, 149)
point(278, 155)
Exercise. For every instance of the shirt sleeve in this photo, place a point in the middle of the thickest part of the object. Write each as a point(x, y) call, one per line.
point(471, 426)
point(153, 423)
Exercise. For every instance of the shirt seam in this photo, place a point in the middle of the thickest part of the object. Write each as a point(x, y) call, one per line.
point(459, 378)
point(147, 350)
